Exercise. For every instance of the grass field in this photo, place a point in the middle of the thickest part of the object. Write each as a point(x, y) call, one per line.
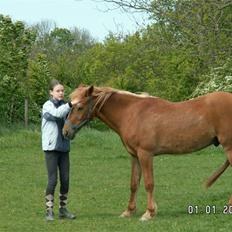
point(99, 188)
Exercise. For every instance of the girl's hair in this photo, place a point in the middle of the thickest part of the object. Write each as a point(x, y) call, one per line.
point(53, 83)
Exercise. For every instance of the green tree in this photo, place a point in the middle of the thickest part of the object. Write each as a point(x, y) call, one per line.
point(185, 40)
point(62, 48)
point(39, 78)
point(15, 48)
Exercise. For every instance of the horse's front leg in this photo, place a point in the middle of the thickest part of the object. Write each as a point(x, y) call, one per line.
point(135, 180)
point(146, 162)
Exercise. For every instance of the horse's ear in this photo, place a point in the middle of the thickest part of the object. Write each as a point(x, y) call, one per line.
point(90, 90)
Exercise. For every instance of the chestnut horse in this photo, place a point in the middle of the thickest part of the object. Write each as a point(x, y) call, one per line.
point(151, 126)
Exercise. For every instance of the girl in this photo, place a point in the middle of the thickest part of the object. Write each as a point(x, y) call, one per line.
point(56, 149)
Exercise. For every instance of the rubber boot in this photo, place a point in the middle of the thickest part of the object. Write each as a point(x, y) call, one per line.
point(49, 207)
point(63, 212)
point(49, 215)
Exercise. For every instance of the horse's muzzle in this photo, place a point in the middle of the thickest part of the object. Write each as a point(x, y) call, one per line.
point(68, 133)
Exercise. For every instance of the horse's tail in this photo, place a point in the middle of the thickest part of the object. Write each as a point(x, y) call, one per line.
point(216, 174)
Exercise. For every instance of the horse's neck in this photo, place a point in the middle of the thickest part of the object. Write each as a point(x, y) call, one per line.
point(113, 111)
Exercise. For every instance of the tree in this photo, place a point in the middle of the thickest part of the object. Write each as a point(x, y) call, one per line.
point(137, 5)
point(39, 78)
point(205, 26)
point(15, 47)
point(184, 41)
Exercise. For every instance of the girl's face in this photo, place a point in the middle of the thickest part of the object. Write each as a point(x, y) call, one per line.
point(58, 92)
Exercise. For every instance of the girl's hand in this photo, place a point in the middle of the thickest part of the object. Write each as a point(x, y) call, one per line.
point(74, 101)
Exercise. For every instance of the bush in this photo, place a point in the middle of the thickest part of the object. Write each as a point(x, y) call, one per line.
point(219, 79)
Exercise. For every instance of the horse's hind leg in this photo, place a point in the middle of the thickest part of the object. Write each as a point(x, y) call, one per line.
point(229, 157)
point(135, 180)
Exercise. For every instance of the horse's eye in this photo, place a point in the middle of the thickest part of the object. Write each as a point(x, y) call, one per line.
point(79, 108)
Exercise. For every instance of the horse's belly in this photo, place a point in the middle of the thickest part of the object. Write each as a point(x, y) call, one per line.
point(180, 147)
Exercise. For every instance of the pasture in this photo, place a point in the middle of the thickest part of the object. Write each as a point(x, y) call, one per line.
point(99, 188)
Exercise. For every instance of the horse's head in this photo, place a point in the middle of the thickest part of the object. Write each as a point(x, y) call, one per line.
point(81, 112)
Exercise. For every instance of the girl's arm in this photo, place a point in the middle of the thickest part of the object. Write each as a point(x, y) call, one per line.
point(51, 113)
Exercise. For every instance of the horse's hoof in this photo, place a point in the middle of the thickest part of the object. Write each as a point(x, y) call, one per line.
point(148, 215)
point(127, 213)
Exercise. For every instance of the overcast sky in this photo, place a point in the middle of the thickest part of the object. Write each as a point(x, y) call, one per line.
point(83, 14)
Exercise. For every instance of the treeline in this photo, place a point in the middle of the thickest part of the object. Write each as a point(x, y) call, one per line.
point(184, 52)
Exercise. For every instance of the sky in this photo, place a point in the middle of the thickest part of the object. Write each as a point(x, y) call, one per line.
point(84, 14)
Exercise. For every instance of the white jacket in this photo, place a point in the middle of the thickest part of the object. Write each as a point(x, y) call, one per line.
point(53, 116)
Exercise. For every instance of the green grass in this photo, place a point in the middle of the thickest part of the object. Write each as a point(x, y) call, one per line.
point(99, 187)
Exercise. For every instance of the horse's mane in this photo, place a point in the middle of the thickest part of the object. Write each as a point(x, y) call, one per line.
point(102, 94)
